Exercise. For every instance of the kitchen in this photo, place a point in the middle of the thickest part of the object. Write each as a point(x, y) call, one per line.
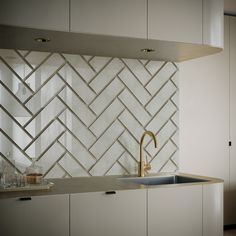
point(87, 104)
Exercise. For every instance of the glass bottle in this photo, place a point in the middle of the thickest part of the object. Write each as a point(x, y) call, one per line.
point(34, 173)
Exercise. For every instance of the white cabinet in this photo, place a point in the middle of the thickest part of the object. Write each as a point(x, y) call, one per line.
point(38, 216)
point(207, 117)
point(175, 211)
point(188, 21)
point(179, 21)
point(100, 214)
point(213, 209)
point(110, 17)
point(45, 14)
point(213, 23)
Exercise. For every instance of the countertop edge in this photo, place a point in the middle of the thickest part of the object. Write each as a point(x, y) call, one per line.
point(103, 184)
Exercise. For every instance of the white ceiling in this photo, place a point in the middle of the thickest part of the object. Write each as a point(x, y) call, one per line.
point(230, 7)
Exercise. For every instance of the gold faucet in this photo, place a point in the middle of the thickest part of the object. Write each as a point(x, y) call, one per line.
point(142, 166)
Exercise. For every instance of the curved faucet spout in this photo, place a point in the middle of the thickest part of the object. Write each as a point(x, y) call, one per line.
point(142, 166)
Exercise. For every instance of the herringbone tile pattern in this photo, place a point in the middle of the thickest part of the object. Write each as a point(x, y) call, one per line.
point(84, 115)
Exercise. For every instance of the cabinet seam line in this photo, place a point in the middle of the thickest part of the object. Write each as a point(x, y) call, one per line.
point(147, 212)
point(229, 102)
point(147, 20)
point(202, 211)
point(202, 22)
point(69, 15)
point(69, 215)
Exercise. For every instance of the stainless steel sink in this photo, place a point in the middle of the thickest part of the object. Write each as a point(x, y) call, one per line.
point(160, 180)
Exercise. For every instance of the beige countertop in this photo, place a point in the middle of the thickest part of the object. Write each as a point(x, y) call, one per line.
point(99, 184)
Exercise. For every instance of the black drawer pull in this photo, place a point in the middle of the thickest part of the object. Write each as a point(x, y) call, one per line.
point(110, 192)
point(25, 198)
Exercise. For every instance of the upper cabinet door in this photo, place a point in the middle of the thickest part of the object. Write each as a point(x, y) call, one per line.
point(213, 23)
point(179, 21)
point(126, 18)
point(44, 14)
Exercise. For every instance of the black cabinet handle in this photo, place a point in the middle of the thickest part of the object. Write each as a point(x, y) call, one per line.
point(110, 192)
point(25, 198)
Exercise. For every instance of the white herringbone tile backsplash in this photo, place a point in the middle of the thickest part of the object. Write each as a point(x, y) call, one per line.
point(84, 115)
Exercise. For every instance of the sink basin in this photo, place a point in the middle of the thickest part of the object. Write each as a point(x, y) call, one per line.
point(159, 180)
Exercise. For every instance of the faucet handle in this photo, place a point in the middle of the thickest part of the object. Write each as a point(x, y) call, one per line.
point(147, 167)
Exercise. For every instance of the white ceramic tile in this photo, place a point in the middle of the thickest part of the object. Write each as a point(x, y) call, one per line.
point(99, 62)
point(135, 86)
point(23, 52)
point(143, 61)
point(46, 116)
point(106, 97)
point(50, 157)
point(87, 57)
point(107, 160)
point(161, 98)
point(106, 75)
point(175, 78)
point(175, 158)
point(169, 167)
point(36, 58)
point(134, 107)
point(78, 129)
point(138, 69)
point(162, 137)
point(11, 104)
point(55, 172)
point(106, 118)
point(107, 139)
point(72, 167)
point(78, 151)
point(16, 133)
point(78, 84)
point(46, 138)
point(8, 147)
point(78, 107)
point(154, 66)
point(45, 71)
point(162, 157)
point(160, 119)
point(15, 62)
point(129, 163)
point(130, 144)
point(131, 124)
point(81, 66)
point(160, 78)
point(175, 98)
point(175, 138)
point(44, 95)
point(117, 169)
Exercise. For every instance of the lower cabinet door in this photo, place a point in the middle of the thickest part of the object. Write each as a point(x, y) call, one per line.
point(114, 213)
point(35, 216)
point(175, 211)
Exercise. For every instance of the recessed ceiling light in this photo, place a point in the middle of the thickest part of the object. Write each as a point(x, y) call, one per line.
point(42, 40)
point(147, 50)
